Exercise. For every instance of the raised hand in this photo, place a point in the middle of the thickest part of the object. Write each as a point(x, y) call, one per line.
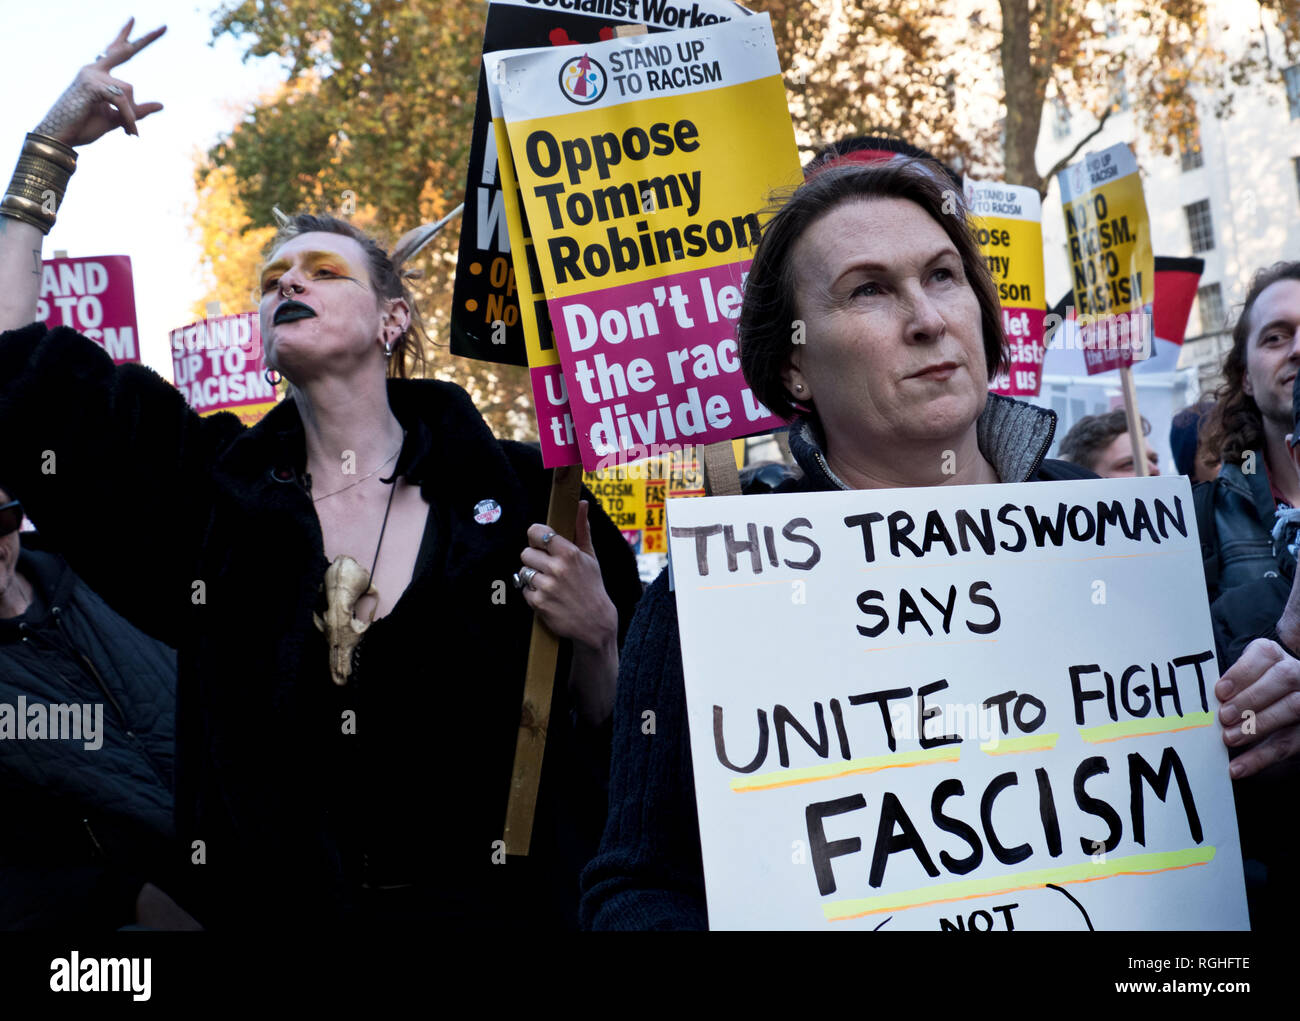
point(96, 102)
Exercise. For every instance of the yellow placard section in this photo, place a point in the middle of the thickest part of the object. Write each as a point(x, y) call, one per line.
point(667, 478)
point(1108, 242)
point(623, 498)
point(532, 299)
point(677, 201)
point(1014, 252)
point(635, 496)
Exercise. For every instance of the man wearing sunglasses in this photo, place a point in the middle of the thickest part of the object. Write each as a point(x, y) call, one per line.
point(86, 818)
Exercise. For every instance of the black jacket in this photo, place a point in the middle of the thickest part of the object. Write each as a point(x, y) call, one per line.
point(1265, 822)
point(1235, 514)
point(87, 820)
point(649, 873)
point(210, 540)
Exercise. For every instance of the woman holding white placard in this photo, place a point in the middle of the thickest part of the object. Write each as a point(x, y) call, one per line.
point(871, 319)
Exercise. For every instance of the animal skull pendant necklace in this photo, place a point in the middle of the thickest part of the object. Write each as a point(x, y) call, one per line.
point(346, 583)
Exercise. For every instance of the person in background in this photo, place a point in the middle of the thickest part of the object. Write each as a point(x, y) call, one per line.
point(1256, 635)
point(1101, 444)
point(1247, 429)
point(766, 477)
point(88, 805)
point(1190, 457)
point(867, 149)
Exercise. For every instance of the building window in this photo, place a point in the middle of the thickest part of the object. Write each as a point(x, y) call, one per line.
point(1292, 76)
point(1189, 148)
point(1061, 120)
point(1209, 299)
point(1200, 226)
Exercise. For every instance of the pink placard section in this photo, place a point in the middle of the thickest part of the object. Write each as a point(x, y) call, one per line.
point(1114, 341)
point(218, 364)
point(554, 421)
point(652, 366)
point(1024, 331)
point(96, 297)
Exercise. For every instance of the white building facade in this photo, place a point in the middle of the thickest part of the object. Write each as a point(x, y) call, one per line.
point(1234, 202)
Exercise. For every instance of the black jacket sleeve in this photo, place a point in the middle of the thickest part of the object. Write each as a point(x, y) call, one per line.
point(1244, 613)
point(112, 465)
point(649, 873)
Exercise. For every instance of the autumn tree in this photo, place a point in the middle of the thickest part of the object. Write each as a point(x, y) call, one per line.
point(969, 79)
point(374, 117)
point(374, 124)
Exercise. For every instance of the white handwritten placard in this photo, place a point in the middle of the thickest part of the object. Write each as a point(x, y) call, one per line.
point(976, 707)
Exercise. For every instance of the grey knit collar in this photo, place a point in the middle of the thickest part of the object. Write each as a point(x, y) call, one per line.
point(1012, 435)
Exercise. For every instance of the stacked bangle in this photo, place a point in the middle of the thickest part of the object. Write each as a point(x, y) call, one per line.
point(39, 181)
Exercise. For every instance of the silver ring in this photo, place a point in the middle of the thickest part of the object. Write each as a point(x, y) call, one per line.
point(524, 577)
point(546, 539)
point(112, 90)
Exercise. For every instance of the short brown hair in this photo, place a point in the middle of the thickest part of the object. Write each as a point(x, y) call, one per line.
point(1235, 424)
point(770, 309)
point(408, 351)
point(1092, 434)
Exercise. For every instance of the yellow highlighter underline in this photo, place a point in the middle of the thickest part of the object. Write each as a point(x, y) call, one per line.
point(968, 889)
point(1144, 728)
point(831, 770)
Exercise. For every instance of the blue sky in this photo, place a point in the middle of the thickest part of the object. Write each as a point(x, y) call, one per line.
point(131, 196)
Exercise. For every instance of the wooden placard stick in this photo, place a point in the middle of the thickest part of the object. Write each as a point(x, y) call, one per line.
point(543, 651)
point(539, 682)
point(721, 477)
point(1135, 437)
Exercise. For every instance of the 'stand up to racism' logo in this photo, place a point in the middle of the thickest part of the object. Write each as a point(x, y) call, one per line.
point(583, 80)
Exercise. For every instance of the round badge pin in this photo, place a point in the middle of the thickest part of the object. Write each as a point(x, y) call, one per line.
point(487, 511)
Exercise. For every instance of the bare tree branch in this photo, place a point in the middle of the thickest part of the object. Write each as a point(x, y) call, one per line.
point(1064, 161)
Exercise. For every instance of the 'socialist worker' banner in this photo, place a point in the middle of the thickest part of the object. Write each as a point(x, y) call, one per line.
point(1012, 723)
point(1108, 240)
point(1008, 225)
point(219, 365)
point(643, 164)
point(94, 296)
point(485, 321)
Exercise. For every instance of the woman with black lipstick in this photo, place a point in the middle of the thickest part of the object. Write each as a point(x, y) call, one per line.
point(336, 580)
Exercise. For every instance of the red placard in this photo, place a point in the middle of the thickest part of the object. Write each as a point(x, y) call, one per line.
point(96, 297)
point(219, 365)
